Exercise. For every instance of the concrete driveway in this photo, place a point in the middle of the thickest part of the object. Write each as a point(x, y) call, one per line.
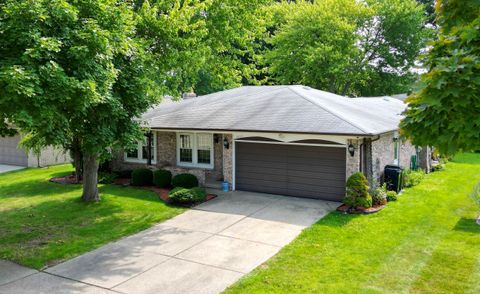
point(203, 250)
point(6, 168)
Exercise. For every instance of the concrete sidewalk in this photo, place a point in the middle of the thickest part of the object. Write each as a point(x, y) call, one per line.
point(6, 168)
point(203, 250)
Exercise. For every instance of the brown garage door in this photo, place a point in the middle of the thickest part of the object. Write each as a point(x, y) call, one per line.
point(10, 153)
point(296, 170)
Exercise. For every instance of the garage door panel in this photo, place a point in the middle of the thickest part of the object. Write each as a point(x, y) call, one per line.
point(10, 153)
point(241, 170)
point(324, 152)
point(316, 175)
point(262, 164)
point(294, 167)
point(277, 150)
point(335, 182)
point(302, 171)
point(315, 162)
point(263, 177)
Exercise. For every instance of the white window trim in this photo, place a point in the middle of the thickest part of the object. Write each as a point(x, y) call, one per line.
point(194, 162)
point(396, 155)
point(140, 159)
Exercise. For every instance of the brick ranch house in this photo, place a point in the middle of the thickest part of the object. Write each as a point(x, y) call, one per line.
point(287, 140)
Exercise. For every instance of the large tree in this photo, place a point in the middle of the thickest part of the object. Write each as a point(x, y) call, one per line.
point(445, 111)
point(234, 28)
point(347, 46)
point(74, 74)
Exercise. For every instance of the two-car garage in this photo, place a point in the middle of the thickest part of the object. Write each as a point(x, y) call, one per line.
point(301, 170)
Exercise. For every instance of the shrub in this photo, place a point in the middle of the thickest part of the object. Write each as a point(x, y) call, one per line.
point(126, 174)
point(185, 181)
point(392, 196)
point(181, 195)
point(142, 177)
point(106, 178)
point(438, 167)
point(379, 195)
point(412, 177)
point(162, 178)
point(357, 191)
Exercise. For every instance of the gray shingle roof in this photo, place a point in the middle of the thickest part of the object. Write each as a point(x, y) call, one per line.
point(295, 109)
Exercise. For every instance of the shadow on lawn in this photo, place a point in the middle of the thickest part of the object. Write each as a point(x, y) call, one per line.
point(41, 187)
point(467, 225)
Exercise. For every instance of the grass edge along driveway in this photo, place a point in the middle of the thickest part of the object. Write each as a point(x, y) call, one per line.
point(43, 223)
point(426, 242)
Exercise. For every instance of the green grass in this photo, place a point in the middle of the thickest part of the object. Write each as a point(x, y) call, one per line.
point(426, 242)
point(43, 223)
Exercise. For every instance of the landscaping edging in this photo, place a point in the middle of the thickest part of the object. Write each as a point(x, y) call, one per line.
point(350, 210)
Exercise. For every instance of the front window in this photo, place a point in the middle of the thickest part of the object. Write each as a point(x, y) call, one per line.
point(204, 147)
point(140, 152)
point(195, 150)
point(186, 148)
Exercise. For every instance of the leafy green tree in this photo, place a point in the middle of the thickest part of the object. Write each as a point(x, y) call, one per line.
point(347, 46)
point(445, 111)
point(234, 30)
point(74, 74)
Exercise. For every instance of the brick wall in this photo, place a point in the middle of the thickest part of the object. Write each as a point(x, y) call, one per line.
point(166, 149)
point(228, 160)
point(383, 154)
point(353, 162)
point(167, 159)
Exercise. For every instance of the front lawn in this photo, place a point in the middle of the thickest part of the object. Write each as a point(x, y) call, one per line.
point(42, 223)
point(426, 242)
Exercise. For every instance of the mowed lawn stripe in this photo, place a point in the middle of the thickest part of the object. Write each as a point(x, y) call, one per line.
point(43, 223)
point(402, 249)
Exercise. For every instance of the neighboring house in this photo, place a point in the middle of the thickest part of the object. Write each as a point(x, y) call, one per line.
point(11, 153)
point(289, 140)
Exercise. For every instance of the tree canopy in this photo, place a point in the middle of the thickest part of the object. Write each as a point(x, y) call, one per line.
point(347, 46)
point(445, 111)
point(74, 74)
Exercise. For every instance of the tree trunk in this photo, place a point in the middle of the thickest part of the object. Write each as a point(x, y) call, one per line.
point(76, 152)
point(78, 163)
point(90, 178)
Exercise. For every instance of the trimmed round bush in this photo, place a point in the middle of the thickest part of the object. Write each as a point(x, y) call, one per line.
point(392, 196)
point(181, 195)
point(162, 178)
point(185, 181)
point(142, 177)
point(357, 191)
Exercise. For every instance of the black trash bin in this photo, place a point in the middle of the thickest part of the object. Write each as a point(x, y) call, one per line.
point(393, 177)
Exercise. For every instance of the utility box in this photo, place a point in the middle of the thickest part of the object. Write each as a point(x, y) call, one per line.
point(393, 177)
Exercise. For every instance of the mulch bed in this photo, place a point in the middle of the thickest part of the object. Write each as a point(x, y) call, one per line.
point(161, 192)
point(65, 180)
point(360, 210)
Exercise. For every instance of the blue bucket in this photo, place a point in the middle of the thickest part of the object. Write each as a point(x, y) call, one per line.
point(225, 186)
